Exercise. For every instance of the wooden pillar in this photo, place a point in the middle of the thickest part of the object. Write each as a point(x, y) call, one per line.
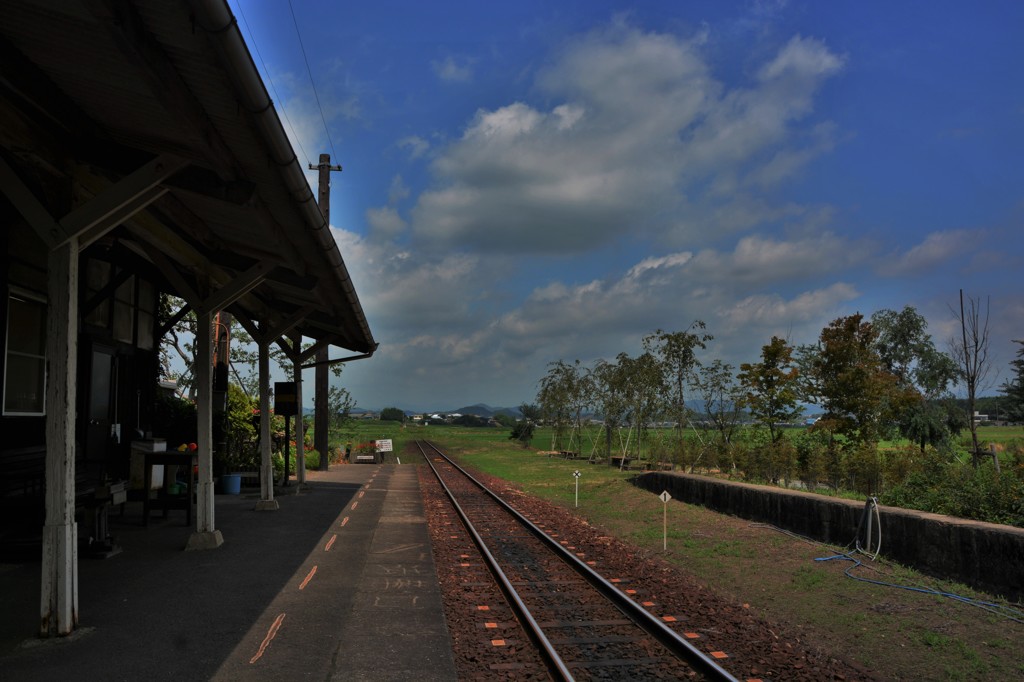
point(206, 536)
point(300, 431)
point(267, 501)
point(59, 594)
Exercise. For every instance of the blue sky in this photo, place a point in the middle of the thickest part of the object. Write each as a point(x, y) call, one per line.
point(532, 181)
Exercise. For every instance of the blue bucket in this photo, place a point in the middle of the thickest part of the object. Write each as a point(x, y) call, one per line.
point(231, 484)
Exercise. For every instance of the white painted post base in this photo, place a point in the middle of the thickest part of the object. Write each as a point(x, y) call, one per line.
point(204, 540)
point(267, 501)
point(59, 598)
point(267, 488)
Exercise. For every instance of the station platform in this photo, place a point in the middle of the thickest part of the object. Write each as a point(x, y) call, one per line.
point(337, 584)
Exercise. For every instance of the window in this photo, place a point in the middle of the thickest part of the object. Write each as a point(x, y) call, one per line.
point(124, 312)
point(25, 368)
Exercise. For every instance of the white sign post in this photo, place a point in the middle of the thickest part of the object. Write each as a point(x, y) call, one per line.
point(576, 474)
point(665, 497)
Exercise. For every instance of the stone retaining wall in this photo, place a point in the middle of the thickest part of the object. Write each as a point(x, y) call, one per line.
point(986, 556)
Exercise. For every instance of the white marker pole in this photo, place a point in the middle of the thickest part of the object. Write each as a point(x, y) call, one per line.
point(665, 497)
point(576, 474)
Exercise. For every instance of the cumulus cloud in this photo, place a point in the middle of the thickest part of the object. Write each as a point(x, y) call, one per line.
point(385, 222)
point(767, 309)
point(639, 139)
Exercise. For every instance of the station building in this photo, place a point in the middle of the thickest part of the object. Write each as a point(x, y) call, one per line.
point(140, 154)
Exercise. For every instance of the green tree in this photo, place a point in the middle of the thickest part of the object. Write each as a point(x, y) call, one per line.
point(531, 412)
point(505, 420)
point(642, 389)
point(566, 391)
point(392, 414)
point(907, 352)
point(609, 381)
point(240, 431)
point(339, 407)
point(675, 353)
point(522, 432)
point(858, 394)
point(716, 386)
point(1013, 388)
point(771, 389)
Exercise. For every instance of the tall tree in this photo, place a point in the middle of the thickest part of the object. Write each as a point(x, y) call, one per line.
point(970, 352)
point(857, 393)
point(677, 360)
point(770, 387)
point(1013, 388)
point(908, 353)
point(720, 396)
point(644, 386)
point(609, 382)
point(563, 395)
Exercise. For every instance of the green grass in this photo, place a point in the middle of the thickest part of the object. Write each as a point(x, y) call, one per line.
point(911, 636)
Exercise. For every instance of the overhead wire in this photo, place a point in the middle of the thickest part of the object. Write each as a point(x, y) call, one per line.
point(310, 72)
point(266, 71)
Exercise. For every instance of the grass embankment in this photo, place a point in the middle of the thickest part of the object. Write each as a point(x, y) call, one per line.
point(901, 635)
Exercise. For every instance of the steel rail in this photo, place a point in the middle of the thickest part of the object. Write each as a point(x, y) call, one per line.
point(533, 629)
point(643, 618)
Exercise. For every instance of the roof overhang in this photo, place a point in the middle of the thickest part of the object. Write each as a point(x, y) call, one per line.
point(156, 108)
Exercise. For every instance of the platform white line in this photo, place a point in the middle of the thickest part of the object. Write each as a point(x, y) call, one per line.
point(271, 633)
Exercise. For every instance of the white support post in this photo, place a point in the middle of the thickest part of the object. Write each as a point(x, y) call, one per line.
point(267, 501)
point(206, 536)
point(300, 435)
point(59, 594)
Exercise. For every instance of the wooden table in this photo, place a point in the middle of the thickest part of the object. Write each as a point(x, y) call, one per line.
point(164, 500)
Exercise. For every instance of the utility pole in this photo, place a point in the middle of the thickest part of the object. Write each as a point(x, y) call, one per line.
point(321, 422)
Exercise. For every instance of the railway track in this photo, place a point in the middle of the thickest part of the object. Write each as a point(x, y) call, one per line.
point(584, 626)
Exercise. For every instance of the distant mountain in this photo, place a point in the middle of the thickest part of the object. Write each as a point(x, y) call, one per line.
point(482, 410)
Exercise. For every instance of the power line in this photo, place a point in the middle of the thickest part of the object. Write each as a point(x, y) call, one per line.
point(308, 71)
point(280, 102)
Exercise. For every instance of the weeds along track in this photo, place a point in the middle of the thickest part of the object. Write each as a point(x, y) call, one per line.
point(583, 625)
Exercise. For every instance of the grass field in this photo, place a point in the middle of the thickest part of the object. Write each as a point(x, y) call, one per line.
point(899, 634)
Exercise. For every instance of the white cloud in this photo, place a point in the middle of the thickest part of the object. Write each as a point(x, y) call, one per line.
point(416, 145)
point(453, 70)
point(936, 249)
point(772, 309)
point(398, 190)
point(385, 222)
point(640, 139)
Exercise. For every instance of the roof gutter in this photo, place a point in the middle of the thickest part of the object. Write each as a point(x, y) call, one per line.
point(216, 17)
point(327, 363)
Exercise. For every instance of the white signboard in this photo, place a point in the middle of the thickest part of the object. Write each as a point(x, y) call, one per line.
point(383, 445)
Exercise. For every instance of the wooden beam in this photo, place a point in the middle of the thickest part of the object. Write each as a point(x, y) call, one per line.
point(106, 292)
point(238, 287)
point(169, 270)
point(312, 350)
point(116, 203)
point(26, 203)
